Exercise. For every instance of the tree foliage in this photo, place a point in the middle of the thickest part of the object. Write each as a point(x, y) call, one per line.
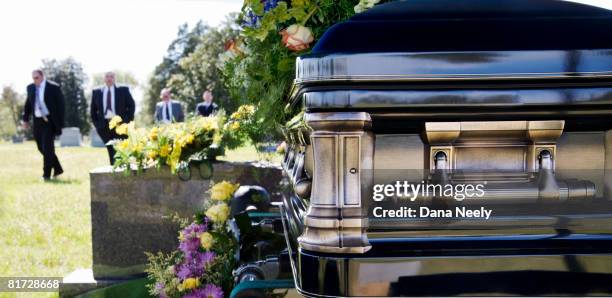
point(184, 44)
point(11, 107)
point(198, 71)
point(261, 69)
point(69, 74)
point(121, 78)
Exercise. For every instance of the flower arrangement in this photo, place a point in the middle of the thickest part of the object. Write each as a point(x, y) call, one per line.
point(259, 66)
point(202, 266)
point(176, 144)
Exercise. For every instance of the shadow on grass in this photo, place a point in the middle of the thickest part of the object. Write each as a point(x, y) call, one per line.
point(64, 181)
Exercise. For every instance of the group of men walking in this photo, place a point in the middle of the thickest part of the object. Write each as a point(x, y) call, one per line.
point(45, 108)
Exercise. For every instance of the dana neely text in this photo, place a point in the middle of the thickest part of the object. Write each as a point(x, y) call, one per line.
point(426, 212)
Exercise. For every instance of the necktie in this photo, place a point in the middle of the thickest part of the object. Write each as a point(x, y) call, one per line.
point(109, 105)
point(168, 111)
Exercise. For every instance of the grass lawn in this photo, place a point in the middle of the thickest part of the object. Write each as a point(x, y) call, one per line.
point(45, 228)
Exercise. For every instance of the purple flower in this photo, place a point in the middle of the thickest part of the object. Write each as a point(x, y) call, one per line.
point(190, 241)
point(160, 290)
point(269, 4)
point(209, 291)
point(195, 264)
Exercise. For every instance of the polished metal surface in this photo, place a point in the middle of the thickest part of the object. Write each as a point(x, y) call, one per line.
point(343, 147)
point(476, 65)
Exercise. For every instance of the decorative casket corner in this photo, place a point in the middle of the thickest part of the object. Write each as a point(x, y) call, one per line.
point(343, 154)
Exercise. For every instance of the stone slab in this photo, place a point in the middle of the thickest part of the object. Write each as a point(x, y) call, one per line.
point(130, 215)
point(71, 137)
point(95, 140)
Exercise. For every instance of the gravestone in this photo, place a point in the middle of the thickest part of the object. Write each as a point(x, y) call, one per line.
point(17, 139)
point(95, 139)
point(71, 137)
point(129, 214)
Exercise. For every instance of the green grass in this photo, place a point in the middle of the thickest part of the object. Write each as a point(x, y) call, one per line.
point(45, 228)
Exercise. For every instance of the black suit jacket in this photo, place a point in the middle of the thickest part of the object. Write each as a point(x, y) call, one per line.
point(204, 110)
point(124, 106)
point(54, 100)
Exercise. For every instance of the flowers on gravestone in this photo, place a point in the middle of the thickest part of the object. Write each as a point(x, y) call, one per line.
point(172, 144)
point(297, 37)
point(206, 256)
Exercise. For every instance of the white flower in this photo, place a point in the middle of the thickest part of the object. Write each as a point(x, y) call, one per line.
point(297, 37)
point(364, 5)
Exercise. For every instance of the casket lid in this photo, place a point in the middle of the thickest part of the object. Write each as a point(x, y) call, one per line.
point(416, 40)
point(471, 25)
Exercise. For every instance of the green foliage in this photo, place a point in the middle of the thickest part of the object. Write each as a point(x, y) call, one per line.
point(263, 69)
point(190, 67)
point(68, 73)
point(198, 71)
point(185, 43)
point(121, 78)
point(11, 107)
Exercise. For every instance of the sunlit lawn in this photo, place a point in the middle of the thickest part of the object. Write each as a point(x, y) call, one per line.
point(45, 228)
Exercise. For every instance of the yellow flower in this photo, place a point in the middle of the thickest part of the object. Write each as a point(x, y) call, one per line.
point(181, 236)
point(218, 213)
point(139, 147)
point(164, 150)
point(152, 154)
point(124, 145)
point(217, 138)
point(153, 133)
point(223, 191)
point(189, 138)
point(114, 122)
point(208, 123)
point(189, 283)
point(235, 126)
point(122, 129)
point(207, 240)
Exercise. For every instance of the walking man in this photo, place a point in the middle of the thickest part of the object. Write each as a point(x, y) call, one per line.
point(109, 101)
point(45, 102)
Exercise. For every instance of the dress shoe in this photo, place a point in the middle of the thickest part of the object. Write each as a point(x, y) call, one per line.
point(57, 173)
point(45, 179)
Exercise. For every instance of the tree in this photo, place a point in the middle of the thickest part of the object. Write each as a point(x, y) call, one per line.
point(185, 43)
point(69, 74)
point(199, 70)
point(11, 107)
point(121, 77)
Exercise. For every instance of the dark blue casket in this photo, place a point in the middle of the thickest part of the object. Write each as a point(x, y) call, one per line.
point(515, 95)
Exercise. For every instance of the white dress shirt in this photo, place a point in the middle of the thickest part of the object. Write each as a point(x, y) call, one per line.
point(40, 107)
point(110, 114)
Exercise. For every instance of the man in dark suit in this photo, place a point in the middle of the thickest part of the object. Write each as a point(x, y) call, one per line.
point(208, 107)
point(168, 110)
point(45, 102)
point(109, 101)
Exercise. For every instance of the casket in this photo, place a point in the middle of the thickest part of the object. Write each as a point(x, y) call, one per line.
point(512, 95)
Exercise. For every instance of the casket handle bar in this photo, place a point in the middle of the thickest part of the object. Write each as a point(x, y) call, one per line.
point(343, 146)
